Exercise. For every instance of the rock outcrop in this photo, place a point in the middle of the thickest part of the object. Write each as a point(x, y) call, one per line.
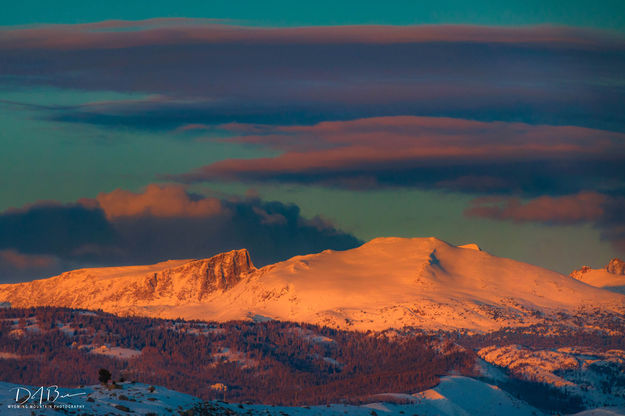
point(118, 288)
point(616, 266)
point(611, 277)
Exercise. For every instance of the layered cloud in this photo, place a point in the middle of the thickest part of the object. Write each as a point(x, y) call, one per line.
point(603, 211)
point(469, 108)
point(354, 106)
point(161, 222)
point(428, 152)
point(204, 72)
point(114, 34)
point(526, 112)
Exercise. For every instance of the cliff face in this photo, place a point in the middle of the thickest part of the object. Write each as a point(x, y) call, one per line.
point(115, 288)
point(195, 280)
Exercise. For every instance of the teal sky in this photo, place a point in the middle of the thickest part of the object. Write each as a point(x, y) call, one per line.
point(75, 123)
point(604, 14)
point(64, 162)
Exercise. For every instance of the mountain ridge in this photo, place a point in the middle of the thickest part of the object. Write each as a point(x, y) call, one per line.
point(387, 282)
point(176, 281)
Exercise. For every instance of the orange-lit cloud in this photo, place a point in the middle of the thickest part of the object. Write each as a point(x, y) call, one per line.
point(567, 209)
point(115, 34)
point(220, 73)
point(158, 223)
point(605, 212)
point(158, 201)
point(418, 151)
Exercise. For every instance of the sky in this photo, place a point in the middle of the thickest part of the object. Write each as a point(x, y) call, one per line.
point(135, 132)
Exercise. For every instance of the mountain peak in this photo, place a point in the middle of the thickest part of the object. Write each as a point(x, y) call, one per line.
point(415, 242)
point(422, 242)
point(381, 240)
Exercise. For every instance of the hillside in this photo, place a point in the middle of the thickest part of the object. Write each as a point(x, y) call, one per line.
point(292, 364)
point(453, 396)
point(385, 283)
point(611, 277)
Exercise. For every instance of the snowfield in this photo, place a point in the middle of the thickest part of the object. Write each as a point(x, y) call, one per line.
point(385, 283)
point(611, 277)
point(454, 396)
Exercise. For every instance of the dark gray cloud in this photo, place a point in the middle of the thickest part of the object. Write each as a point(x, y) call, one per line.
point(18, 266)
point(55, 229)
point(206, 73)
point(199, 73)
point(162, 222)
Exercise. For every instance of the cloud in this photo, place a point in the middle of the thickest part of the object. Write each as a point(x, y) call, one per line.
point(203, 73)
point(161, 222)
point(603, 211)
point(157, 201)
point(612, 223)
point(568, 209)
point(118, 34)
point(16, 266)
point(21, 261)
point(478, 109)
point(443, 153)
point(54, 229)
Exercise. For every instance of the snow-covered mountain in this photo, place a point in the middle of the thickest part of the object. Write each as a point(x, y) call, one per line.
point(611, 277)
point(387, 282)
point(174, 282)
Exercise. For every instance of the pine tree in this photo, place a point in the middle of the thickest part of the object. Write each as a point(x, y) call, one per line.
point(104, 375)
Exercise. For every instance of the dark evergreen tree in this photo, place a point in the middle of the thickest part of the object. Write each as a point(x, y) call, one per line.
point(104, 375)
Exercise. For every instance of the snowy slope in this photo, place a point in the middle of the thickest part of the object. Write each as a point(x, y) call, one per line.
point(457, 396)
point(98, 400)
point(117, 289)
point(454, 396)
point(387, 282)
point(611, 277)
